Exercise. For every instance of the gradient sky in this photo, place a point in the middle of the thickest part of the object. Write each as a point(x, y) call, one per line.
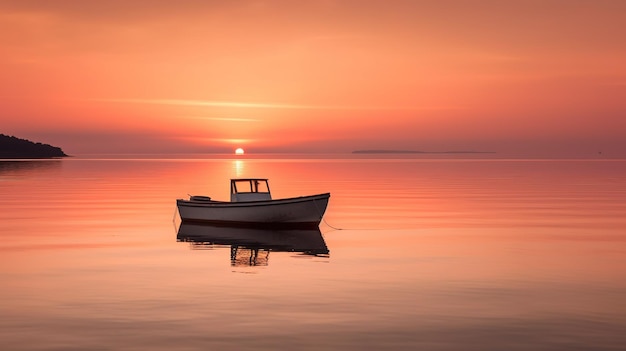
point(519, 76)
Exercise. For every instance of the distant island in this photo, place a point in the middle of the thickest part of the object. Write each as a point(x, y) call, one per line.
point(418, 152)
point(12, 147)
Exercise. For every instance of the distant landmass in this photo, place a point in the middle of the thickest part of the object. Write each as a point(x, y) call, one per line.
point(12, 147)
point(419, 152)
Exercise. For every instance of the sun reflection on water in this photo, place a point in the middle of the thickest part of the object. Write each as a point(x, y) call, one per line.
point(238, 167)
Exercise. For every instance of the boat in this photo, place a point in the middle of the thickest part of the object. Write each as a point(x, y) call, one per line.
point(251, 205)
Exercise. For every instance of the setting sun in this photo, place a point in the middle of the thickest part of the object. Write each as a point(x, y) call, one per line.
point(239, 151)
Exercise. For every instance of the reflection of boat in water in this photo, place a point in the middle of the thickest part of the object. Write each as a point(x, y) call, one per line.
point(251, 246)
point(251, 205)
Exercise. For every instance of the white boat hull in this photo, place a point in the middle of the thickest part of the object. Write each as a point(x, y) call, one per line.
point(304, 211)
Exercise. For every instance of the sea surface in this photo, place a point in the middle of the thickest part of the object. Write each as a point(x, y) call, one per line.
point(413, 254)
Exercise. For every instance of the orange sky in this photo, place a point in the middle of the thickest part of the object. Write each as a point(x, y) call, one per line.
point(318, 76)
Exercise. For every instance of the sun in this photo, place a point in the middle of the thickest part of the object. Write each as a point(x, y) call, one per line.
point(239, 151)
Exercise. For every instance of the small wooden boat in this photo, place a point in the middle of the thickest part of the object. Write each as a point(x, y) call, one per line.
point(251, 205)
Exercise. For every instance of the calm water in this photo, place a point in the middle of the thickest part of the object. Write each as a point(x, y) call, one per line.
point(432, 255)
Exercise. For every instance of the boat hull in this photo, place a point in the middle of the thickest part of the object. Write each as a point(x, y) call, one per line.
point(297, 212)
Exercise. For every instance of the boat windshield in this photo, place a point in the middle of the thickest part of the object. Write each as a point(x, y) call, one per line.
point(250, 186)
point(249, 190)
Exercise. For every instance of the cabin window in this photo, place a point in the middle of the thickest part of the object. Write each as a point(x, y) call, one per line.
point(251, 186)
point(261, 186)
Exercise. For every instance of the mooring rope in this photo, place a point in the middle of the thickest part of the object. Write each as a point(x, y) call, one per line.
point(322, 217)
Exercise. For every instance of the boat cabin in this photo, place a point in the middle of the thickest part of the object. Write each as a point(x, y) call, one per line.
point(249, 189)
